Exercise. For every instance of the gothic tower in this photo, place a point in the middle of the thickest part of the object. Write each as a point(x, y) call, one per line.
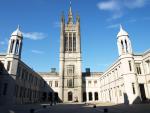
point(131, 88)
point(70, 59)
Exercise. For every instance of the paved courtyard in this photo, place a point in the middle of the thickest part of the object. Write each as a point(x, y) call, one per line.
point(77, 108)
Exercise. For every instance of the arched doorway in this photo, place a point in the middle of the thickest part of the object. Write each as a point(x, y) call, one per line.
point(56, 97)
point(50, 96)
point(70, 96)
point(90, 96)
point(84, 96)
point(96, 95)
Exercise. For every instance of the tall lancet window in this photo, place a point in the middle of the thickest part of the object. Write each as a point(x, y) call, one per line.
point(11, 46)
point(126, 46)
point(66, 42)
point(122, 46)
point(17, 47)
point(74, 41)
point(70, 41)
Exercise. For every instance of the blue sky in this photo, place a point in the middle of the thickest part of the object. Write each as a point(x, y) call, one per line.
point(100, 19)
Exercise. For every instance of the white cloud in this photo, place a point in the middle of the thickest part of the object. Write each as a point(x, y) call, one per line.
point(113, 26)
point(118, 7)
point(135, 3)
point(34, 35)
point(108, 5)
point(37, 52)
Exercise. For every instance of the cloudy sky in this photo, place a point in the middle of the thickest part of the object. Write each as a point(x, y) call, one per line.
point(100, 19)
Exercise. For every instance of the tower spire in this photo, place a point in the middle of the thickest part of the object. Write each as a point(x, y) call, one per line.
point(121, 27)
point(70, 18)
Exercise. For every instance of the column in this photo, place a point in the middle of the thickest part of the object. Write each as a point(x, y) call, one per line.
point(87, 97)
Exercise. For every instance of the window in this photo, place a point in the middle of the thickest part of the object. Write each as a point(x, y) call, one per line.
point(74, 42)
point(17, 47)
point(56, 83)
point(11, 46)
point(70, 41)
point(90, 96)
point(122, 46)
point(120, 93)
point(8, 65)
point(147, 66)
point(133, 88)
point(130, 67)
point(16, 90)
point(70, 83)
point(126, 46)
point(89, 83)
point(5, 89)
point(18, 71)
point(66, 42)
point(138, 68)
point(95, 83)
point(70, 70)
point(50, 83)
point(96, 95)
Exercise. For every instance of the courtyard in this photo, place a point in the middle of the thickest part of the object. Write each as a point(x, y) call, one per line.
point(76, 108)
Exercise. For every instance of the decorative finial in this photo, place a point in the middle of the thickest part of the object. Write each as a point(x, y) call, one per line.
point(70, 3)
point(18, 28)
point(121, 27)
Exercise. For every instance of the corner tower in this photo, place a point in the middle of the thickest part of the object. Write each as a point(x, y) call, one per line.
point(70, 59)
point(131, 88)
point(14, 51)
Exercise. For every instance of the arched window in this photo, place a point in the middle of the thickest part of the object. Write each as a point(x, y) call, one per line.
point(70, 96)
point(126, 46)
point(74, 42)
point(90, 96)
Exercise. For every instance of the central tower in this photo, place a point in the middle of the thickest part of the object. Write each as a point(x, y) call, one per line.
point(70, 59)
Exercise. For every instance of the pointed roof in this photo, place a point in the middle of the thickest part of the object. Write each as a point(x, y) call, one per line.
point(17, 32)
point(70, 17)
point(122, 32)
point(70, 10)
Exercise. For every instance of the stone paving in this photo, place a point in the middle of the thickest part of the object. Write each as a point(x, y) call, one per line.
point(77, 108)
point(122, 108)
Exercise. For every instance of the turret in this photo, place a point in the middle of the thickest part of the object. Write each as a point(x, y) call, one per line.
point(123, 42)
point(131, 88)
point(15, 43)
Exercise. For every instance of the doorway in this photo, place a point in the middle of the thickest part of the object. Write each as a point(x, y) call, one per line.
point(84, 96)
point(69, 96)
point(142, 90)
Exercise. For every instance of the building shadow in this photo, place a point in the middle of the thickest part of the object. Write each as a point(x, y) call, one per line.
point(15, 90)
